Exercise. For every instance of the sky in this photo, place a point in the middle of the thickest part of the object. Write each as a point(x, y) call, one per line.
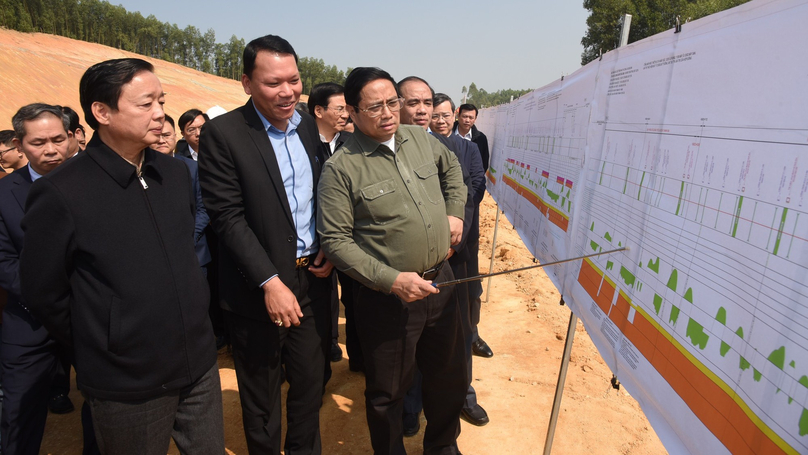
point(497, 44)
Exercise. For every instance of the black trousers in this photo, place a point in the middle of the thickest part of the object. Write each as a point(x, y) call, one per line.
point(355, 358)
point(260, 349)
point(396, 337)
point(413, 403)
point(475, 288)
point(28, 373)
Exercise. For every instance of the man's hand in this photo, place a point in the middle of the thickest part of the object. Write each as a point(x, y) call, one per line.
point(455, 228)
point(321, 267)
point(450, 253)
point(281, 303)
point(409, 286)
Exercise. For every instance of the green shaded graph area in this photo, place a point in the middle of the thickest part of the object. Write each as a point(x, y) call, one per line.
point(737, 216)
point(672, 280)
point(627, 276)
point(594, 245)
point(674, 314)
point(721, 316)
point(695, 332)
point(553, 196)
point(654, 265)
point(608, 237)
point(609, 265)
point(689, 295)
point(657, 303)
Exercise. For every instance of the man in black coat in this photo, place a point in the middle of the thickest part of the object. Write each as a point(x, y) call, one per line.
point(29, 357)
point(465, 128)
point(259, 166)
point(109, 269)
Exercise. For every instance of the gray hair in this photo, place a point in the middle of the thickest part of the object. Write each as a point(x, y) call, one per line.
point(33, 112)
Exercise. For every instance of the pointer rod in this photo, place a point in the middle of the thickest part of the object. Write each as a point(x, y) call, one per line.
point(480, 277)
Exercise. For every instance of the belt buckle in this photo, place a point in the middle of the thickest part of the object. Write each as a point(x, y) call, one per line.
point(302, 262)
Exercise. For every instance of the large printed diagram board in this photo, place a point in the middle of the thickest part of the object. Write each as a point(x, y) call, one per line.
point(690, 148)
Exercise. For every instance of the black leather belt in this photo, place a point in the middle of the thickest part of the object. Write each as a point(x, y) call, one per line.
point(431, 274)
point(305, 261)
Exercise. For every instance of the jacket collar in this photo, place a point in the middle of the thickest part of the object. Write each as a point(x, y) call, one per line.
point(117, 167)
point(368, 145)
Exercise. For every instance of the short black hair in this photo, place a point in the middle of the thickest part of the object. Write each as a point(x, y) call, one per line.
point(189, 116)
point(467, 107)
point(170, 121)
point(440, 98)
point(414, 79)
point(6, 136)
point(359, 78)
point(34, 111)
point(75, 123)
point(321, 93)
point(104, 81)
point(270, 43)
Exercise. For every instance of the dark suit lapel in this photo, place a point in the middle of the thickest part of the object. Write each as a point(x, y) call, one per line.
point(20, 191)
point(314, 148)
point(264, 147)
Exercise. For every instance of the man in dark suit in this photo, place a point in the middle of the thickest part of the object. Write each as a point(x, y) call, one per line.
point(474, 177)
point(259, 166)
point(29, 357)
point(109, 269)
point(327, 106)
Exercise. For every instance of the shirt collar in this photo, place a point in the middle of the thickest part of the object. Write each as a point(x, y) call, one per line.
point(34, 174)
point(292, 125)
point(368, 145)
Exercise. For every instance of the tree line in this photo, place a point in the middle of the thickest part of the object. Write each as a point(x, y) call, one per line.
point(98, 21)
point(480, 98)
point(649, 17)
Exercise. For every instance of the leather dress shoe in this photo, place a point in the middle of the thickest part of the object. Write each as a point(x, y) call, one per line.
point(480, 348)
point(336, 352)
point(60, 404)
point(412, 424)
point(475, 416)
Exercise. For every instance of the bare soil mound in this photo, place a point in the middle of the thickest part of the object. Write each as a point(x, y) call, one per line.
point(38, 67)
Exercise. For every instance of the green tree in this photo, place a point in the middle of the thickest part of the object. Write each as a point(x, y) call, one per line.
point(481, 98)
point(649, 17)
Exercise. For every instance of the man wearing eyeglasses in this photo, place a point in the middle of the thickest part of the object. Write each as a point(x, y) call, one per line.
point(190, 124)
point(327, 106)
point(11, 158)
point(391, 204)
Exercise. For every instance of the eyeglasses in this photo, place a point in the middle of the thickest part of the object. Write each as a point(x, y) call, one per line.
point(446, 116)
point(3, 152)
point(193, 130)
point(394, 105)
point(336, 109)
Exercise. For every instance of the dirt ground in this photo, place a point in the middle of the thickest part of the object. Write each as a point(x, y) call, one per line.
point(525, 327)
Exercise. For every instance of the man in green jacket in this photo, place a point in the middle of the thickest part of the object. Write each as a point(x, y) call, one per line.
point(391, 203)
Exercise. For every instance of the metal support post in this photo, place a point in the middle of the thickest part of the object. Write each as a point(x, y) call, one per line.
point(562, 376)
point(493, 250)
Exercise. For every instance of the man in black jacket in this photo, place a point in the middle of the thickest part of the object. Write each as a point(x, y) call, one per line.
point(109, 269)
point(259, 166)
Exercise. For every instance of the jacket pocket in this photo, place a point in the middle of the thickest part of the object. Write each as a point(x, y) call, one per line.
point(113, 337)
point(384, 203)
point(430, 182)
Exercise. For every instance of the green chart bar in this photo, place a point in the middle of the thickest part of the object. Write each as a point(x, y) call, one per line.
point(681, 193)
point(738, 217)
point(780, 230)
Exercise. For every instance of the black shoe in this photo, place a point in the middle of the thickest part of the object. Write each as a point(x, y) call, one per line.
point(336, 352)
point(412, 424)
point(475, 416)
point(60, 404)
point(481, 349)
